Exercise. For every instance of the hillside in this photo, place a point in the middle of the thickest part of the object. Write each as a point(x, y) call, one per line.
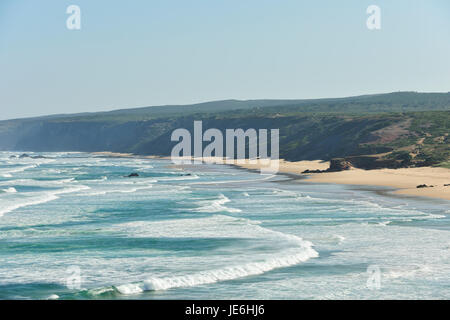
point(386, 130)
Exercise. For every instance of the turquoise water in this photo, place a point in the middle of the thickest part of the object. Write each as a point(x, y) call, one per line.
point(73, 227)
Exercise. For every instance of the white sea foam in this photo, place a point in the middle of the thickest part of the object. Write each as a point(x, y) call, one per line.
point(235, 181)
point(142, 181)
point(407, 271)
point(7, 173)
point(39, 183)
point(53, 171)
point(339, 238)
point(101, 179)
point(10, 190)
point(215, 205)
point(296, 251)
point(129, 288)
point(397, 213)
point(39, 198)
point(63, 181)
point(126, 190)
point(228, 273)
point(191, 177)
point(435, 216)
point(114, 186)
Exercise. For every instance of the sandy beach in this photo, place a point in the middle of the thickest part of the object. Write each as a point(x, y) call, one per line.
point(404, 179)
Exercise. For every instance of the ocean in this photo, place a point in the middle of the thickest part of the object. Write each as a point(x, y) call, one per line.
point(74, 226)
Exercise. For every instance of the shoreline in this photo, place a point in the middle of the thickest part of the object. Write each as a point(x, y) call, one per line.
point(404, 180)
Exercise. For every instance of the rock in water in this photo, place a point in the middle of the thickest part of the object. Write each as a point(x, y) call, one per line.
point(134, 174)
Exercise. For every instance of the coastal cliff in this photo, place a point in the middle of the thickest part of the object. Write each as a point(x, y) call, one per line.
point(394, 130)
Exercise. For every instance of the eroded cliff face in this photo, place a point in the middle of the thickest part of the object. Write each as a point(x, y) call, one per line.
point(368, 132)
point(301, 138)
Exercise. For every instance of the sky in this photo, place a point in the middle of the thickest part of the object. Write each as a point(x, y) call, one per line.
point(146, 52)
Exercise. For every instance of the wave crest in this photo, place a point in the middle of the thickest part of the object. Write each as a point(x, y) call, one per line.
point(216, 205)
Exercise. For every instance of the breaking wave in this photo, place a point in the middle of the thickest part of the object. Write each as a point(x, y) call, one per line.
point(224, 274)
point(7, 173)
point(297, 251)
point(40, 198)
point(216, 205)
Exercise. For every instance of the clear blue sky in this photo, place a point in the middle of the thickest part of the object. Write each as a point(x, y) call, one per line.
point(147, 52)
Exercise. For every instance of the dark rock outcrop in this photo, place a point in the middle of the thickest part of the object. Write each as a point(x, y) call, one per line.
point(313, 171)
point(25, 155)
point(339, 164)
point(336, 165)
point(131, 175)
point(423, 186)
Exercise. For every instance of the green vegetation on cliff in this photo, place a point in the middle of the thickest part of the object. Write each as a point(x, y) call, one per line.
point(397, 129)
